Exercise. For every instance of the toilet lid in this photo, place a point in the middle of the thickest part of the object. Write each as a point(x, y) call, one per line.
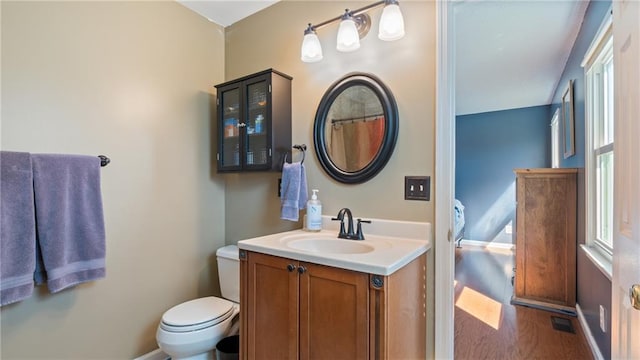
point(197, 314)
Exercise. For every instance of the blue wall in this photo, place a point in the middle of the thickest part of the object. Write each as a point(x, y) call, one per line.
point(488, 147)
point(573, 71)
point(594, 288)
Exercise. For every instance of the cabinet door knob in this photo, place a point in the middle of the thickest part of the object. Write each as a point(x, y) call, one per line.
point(291, 267)
point(302, 269)
point(634, 294)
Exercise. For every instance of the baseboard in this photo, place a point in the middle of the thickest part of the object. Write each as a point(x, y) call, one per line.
point(560, 309)
point(156, 354)
point(488, 244)
point(586, 330)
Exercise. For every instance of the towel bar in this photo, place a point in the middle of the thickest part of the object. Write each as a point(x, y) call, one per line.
point(104, 161)
point(302, 148)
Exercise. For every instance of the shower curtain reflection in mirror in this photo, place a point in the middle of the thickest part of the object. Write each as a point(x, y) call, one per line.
point(353, 143)
point(357, 128)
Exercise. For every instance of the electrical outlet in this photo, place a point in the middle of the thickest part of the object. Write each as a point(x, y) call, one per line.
point(417, 187)
point(603, 319)
point(508, 229)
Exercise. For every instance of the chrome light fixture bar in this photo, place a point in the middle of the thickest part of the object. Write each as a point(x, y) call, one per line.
point(354, 25)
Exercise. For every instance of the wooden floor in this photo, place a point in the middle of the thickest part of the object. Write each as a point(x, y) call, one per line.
point(487, 326)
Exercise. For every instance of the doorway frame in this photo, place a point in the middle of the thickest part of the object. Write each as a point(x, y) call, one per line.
point(444, 181)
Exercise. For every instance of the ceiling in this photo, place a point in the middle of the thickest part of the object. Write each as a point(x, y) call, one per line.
point(226, 12)
point(509, 53)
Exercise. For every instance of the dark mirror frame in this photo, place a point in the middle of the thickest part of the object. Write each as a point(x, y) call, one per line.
point(390, 109)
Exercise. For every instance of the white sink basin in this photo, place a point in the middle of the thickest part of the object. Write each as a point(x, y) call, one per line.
point(388, 246)
point(331, 246)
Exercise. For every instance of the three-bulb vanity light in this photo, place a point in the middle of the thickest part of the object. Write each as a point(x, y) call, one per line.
point(353, 26)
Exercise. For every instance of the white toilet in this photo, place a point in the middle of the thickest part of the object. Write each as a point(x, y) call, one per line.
point(192, 329)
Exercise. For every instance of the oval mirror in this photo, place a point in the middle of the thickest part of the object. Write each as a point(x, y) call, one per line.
point(356, 128)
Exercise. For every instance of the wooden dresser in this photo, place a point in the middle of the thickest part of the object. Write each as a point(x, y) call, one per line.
point(545, 274)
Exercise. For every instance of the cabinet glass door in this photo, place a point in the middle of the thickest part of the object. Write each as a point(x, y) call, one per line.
point(229, 156)
point(256, 124)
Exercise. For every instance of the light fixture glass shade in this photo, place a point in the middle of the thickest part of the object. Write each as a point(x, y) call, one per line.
point(391, 23)
point(348, 38)
point(311, 50)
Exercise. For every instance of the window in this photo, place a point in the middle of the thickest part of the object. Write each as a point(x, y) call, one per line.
point(599, 151)
point(555, 140)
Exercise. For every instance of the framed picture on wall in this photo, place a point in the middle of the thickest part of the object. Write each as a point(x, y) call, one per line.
point(568, 123)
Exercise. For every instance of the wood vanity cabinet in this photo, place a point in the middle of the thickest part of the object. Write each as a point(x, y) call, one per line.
point(298, 310)
point(254, 122)
point(545, 274)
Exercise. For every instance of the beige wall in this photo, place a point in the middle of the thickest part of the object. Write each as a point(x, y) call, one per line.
point(271, 39)
point(131, 80)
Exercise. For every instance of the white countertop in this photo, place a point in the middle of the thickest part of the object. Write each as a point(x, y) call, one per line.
point(389, 253)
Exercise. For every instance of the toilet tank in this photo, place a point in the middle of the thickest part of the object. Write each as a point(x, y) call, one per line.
point(229, 272)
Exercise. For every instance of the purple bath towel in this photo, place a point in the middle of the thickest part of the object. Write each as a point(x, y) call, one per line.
point(293, 191)
point(69, 219)
point(17, 227)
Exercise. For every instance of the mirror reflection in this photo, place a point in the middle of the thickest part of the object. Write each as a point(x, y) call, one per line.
point(355, 128)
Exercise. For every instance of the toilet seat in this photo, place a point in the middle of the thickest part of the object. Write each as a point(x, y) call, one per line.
point(197, 314)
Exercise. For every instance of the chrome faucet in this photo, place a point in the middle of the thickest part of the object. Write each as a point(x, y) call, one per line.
point(349, 234)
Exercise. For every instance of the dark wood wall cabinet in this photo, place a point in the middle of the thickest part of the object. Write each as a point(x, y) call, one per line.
point(545, 274)
point(254, 122)
point(298, 310)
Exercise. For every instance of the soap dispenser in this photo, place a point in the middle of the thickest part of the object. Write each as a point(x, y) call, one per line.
point(314, 213)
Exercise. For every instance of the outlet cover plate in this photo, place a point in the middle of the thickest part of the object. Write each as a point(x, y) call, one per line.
point(417, 188)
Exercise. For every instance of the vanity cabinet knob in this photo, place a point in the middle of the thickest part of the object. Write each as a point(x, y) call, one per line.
point(302, 269)
point(291, 267)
